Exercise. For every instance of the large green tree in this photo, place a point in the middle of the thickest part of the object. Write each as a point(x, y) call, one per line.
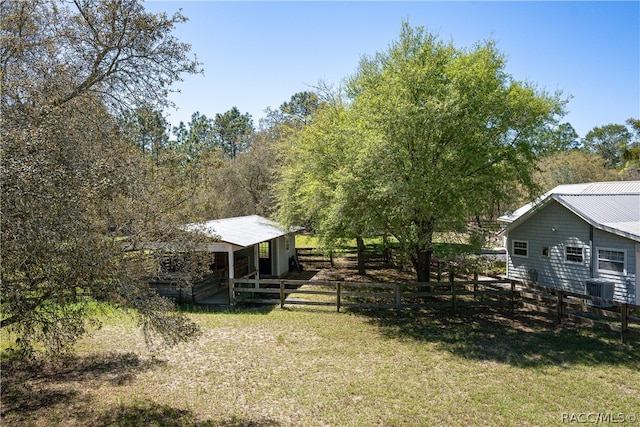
point(322, 185)
point(75, 192)
point(437, 133)
point(449, 129)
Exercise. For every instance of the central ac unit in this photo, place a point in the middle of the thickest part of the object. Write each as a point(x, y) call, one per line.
point(599, 288)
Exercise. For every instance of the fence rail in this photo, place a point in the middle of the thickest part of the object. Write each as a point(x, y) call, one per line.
point(373, 295)
point(573, 306)
point(454, 294)
point(313, 256)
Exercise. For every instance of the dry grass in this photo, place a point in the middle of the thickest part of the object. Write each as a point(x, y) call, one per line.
point(315, 367)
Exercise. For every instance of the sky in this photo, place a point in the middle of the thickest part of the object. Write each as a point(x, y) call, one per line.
point(258, 54)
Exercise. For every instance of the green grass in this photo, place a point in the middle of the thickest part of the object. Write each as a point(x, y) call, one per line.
point(302, 366)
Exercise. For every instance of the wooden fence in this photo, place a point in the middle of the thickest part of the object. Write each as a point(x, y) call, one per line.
point(561, 304)
point(176, 288)
point(454, 294)
point(314, 257)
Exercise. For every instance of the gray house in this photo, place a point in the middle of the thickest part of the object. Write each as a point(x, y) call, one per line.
point(584, 238)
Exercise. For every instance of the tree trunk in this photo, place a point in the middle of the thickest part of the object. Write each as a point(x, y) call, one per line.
point(361, 261)
point(422, 264)
point(422, 254)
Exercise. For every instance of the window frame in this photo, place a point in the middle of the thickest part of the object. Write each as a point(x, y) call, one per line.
point(526, 248)
point(624, 261)
point(566, 254)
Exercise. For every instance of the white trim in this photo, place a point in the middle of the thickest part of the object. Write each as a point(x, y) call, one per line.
point(567, 246)
point(624, 261)
point(232, 264)
point(513, 248)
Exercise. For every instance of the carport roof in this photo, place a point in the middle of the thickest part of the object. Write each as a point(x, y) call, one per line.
point(240, 231)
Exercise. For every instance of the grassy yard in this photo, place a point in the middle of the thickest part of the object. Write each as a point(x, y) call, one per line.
point(306, 367)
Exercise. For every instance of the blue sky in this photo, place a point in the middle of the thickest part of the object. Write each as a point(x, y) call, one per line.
point(257, 54)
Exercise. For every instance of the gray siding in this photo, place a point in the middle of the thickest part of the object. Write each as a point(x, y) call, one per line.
point(539, 232)
point(625, 283)
point(556, 227)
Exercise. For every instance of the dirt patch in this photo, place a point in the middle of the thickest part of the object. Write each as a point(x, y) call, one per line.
point(377, 271)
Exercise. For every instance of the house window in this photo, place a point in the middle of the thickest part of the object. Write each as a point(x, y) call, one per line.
point(520, 248)
point(611, 260)
point(573, 254)
point(545, 251)
point(264, 249)
point(287, 243)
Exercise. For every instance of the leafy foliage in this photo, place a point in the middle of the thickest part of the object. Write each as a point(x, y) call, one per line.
point(432, 134)
point(79, 199)
point(610, 142)
point(232, 132)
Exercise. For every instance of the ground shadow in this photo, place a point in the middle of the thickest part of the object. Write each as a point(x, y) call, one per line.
point(521, 338)
point(525, 339)
point(152, 414)
point(29, 386)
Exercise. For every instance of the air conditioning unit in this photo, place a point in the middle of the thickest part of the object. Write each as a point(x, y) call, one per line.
point(599, 288)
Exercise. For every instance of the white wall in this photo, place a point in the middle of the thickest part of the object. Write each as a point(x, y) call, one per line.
point(281, 254)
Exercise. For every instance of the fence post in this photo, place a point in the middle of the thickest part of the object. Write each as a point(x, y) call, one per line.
point(338, 290)
point(513, 296)
point(625, 322)
point(232, 297)
point(398, 298)
point(439, 264)
point(475, 284)
point(560, 295)
point(331, 257)
point(281, 293)
point(453, 290)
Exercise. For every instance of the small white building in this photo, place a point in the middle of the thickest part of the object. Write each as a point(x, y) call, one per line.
point(239, 247)
point(249, 245)
point(583, 238)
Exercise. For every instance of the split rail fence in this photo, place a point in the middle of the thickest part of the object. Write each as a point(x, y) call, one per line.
point(455, 294)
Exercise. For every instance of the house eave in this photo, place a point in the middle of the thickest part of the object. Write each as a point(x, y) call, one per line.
point(511, 222)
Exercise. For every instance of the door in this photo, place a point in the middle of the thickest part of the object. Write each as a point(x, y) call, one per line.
point(264, 260)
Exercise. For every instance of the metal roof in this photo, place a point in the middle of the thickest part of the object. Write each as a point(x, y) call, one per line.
point(241, 231)
point(610, 206)
point(618, 214)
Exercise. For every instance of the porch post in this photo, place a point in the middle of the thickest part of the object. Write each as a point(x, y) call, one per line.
point(232, 297)
point(231, 264)
point(256, 259)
